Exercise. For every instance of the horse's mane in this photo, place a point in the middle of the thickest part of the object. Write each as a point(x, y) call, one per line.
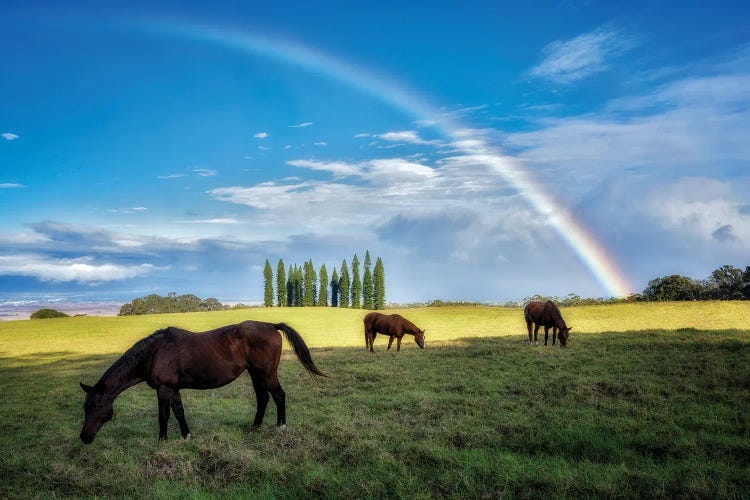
point(556, 314)
point(134, 356)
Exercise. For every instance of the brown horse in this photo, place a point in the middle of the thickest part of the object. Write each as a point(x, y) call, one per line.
point(548, 315)
point(172, 359)
point(393, 325)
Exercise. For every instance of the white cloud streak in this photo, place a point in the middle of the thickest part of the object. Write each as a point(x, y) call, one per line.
point(8, 136)
point(83, 270)
point(261, 135)
point(567, 62)
point(301, 125)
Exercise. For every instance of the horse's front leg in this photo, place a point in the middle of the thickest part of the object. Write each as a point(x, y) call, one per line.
point(390, 343)
point(179, 413)
point(372, 340)
point(398, 343)
point(554, 334)
point(164, 395)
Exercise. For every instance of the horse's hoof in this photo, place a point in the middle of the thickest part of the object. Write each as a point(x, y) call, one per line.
point(281, 428)
point(187, 436)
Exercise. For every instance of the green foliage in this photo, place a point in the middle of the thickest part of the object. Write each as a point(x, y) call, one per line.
point(290, 286)
point(172, 303)
point(267, 285)
point(367, 290)
point(344, 283)
point(356, 290)
point(379, 285)
point(323, 292)
point(48, 314)
point(309, 279)
point(673, 287)
point(281, 284)
point(335, 283)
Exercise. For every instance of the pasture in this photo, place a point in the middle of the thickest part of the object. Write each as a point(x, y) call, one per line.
point(647, 400)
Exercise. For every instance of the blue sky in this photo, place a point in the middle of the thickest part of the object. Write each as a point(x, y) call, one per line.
point(484, 152)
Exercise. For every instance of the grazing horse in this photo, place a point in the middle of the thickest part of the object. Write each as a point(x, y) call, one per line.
point(548, 315)
point(393, 325)
point(172, 359)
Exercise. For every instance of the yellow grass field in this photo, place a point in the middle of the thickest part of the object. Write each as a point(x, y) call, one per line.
point(41, 341)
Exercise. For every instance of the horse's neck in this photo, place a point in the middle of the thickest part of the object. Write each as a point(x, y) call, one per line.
point(120, 376)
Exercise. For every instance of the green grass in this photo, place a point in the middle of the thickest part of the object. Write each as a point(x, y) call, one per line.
point(627, 410)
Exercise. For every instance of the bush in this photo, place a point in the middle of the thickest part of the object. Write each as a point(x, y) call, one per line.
point(48, 313)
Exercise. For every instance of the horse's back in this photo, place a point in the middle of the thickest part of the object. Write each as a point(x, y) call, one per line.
point(215, 357)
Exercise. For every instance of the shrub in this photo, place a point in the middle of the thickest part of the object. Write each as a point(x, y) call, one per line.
point(48, 313)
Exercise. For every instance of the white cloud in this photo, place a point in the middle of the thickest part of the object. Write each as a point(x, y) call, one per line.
point(218, 220)
point(205, 172)
point(9, 136)
point(170, 176)
point(261, 135)
point(300, 125)
point(408, 136)
point(82, 270)
point(569, 61)
point(10, 185)
point(360, 136)
point(337, 168)
point(321, 143)
point(701, 208)
point(697, 124)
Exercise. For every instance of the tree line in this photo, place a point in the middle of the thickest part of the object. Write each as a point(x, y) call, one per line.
point(298, 286)
point(172, 303)
point(725, 283)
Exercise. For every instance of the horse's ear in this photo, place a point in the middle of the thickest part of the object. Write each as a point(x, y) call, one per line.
point(570, 328)
point(86, 388)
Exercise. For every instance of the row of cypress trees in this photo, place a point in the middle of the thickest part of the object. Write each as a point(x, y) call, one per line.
point(303, 286)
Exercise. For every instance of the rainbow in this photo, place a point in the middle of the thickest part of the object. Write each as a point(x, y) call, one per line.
point(576, 235)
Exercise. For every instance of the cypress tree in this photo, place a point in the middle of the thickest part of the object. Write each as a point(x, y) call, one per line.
point(344, 285)
point(323, 292)
point(379, 285)
point(267, 285)
point(308, 292)
point(298, 286)
point(334, 288)
point(290, 287)
point(356, 284)
point(367, 291)
point(280, 284)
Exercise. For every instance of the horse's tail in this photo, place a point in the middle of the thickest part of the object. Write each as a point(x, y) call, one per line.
point(300, 348)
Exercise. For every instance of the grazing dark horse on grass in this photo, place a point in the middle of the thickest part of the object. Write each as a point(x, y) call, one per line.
point(393, 325)
point(172, 359)
point(547, 315)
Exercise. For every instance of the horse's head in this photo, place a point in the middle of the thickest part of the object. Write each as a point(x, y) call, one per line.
point(419, 338)
point(563, 334)
point(99, 410)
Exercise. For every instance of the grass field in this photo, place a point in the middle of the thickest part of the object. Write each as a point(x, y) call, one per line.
point(648, 400)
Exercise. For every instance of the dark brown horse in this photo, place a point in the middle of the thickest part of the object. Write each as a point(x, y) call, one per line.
point(548, 315)
point(393, 325)
point(172, 359)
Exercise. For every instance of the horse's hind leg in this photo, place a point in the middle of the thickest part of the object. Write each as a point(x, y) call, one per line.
point(279, 397)
point(528, 327)
point(546, 334)
point(164, 394)
point(179, 413)
point(536, 333)
point(261, 396)
point(554, 334)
